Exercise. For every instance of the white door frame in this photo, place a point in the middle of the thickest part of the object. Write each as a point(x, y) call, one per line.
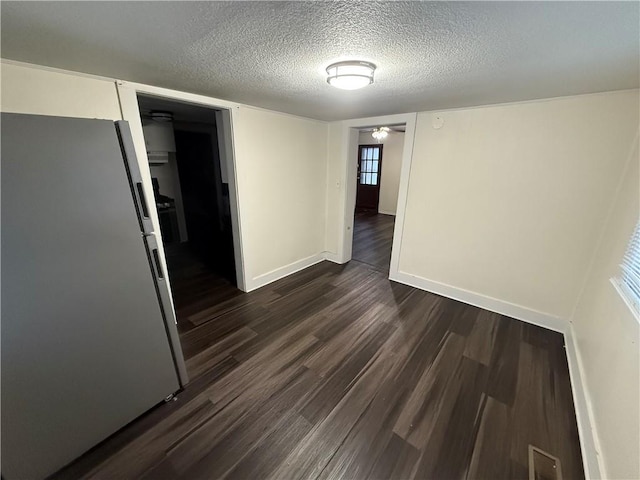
point(349, 150)
point(127, 93)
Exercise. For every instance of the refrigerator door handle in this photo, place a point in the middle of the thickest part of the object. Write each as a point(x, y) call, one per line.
point(156, 259)
point(156, 265)
point(135, 177)
point(144, 209)
point(164, 296)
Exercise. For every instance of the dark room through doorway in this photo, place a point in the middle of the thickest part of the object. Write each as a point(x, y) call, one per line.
point(191, 187)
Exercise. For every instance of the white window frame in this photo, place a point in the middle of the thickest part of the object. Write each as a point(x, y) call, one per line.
point(630, 274)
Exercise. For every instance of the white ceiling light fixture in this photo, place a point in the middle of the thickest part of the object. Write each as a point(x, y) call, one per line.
point(350, 75)
point(380, 133)
point(159, 116)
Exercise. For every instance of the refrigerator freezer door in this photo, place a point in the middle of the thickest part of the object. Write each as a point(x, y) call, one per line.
point(84, 349)
point(133, 170)
point(164, 295)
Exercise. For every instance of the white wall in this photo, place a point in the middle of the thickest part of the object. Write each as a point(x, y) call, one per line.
point(391, 163)
point(44, 92)
point(335, 197)
point(608, 337)
point(166, 180)
point(169, 185)
point(505, 207)
point(507, 201)
point(281, 163)
point(281, 169)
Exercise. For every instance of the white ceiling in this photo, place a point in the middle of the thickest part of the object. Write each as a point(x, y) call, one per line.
point(272, 54)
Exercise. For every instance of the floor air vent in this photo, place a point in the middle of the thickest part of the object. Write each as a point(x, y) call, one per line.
point(543, 466)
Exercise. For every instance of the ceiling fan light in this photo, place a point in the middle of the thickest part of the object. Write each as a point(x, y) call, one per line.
point(380, 133)
point(350, 75)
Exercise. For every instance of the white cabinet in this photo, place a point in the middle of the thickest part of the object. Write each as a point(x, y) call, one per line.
point(159, 140)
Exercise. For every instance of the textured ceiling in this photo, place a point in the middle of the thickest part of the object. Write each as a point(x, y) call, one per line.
point(272, 54)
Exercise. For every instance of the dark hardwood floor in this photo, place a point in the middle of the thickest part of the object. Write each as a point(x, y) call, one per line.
point(337, 373)
point(372, 238)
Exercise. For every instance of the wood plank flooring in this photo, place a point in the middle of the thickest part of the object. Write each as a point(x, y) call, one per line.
point(372, 239)
point(337, 373)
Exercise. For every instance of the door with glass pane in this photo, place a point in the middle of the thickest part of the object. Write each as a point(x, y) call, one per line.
point(369, 168)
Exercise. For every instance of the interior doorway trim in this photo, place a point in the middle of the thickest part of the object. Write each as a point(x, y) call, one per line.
point(349, 149)
point(128, 96)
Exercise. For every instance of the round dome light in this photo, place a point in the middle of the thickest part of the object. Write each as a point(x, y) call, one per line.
point(350, 75)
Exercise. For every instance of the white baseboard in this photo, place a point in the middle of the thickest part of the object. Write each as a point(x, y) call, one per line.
point(332, 257)
point(278, 273)
point(519, 312)
point(589, 444)
point(384, 212)
point(589, 440)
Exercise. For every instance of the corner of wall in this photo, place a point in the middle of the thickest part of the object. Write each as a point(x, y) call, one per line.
point(589, 440)
point(281, 272)
point(334, 188)
point(603, 230)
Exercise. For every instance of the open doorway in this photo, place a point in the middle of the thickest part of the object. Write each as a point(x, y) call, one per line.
point(191, 189)
point(379, 162)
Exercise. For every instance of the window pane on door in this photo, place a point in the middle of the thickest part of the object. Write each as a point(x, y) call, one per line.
point(369, 165)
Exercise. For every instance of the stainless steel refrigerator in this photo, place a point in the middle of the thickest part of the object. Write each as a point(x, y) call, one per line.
point(89, 340)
